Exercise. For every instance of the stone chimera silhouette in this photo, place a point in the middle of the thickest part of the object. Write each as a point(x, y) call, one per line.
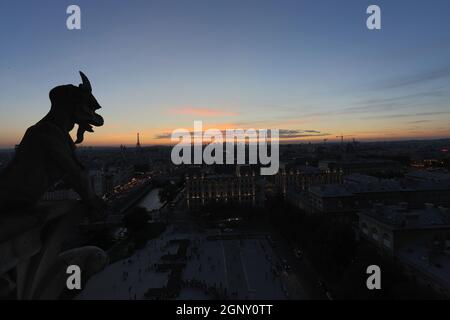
point(46, 153)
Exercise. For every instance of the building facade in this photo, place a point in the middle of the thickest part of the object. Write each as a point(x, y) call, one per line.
point(203, 189)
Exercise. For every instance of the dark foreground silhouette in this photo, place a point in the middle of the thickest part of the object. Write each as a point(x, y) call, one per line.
point(46, 153)
point(35, 254)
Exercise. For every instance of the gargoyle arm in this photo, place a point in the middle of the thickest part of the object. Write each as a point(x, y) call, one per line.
point(76, 176)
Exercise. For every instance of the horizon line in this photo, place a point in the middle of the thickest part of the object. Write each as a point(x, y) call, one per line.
point(334, 141)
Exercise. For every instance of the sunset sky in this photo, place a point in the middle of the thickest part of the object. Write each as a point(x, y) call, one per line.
point(308, 67)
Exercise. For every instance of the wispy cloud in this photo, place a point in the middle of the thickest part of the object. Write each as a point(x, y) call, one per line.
point(201, 112)
point(417, 78)
point(383, 104)
point(284, 134)
point(293, 134)
point(409, 115)
point(162, 136)
point(418, 121)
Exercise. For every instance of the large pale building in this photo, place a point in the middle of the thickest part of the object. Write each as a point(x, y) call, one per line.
point(206, 189)
point(302, 178)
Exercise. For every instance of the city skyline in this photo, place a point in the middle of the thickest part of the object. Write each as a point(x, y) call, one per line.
point(309, 68)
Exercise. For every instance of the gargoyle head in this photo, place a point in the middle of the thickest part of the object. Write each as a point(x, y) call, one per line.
point(79, 104)
point(85, 115)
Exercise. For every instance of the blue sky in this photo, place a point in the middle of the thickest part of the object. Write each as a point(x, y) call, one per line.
point(294, 65)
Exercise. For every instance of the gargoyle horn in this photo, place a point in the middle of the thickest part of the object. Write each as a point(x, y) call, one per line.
point(86, 85)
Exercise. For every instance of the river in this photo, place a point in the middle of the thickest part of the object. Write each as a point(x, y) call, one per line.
point(151, 200)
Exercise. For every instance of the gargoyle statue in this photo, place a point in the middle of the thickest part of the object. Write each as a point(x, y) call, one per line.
point(46, 154)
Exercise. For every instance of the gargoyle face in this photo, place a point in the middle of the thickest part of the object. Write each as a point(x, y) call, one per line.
point(84, 113)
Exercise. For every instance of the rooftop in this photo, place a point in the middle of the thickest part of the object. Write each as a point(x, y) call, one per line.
point(331, 190)
point(399, 217)
point(303, 169)
point(437, 267)
point(359, 183)
point(429, 175)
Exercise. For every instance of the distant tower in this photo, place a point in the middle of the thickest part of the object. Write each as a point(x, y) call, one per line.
point(138, 143)
point(140, 163)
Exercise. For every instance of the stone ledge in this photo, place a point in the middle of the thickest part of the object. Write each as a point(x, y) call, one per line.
point(31, 243)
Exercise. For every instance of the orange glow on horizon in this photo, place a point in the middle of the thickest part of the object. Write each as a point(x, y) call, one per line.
point(145, 141)
point(114, 136)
